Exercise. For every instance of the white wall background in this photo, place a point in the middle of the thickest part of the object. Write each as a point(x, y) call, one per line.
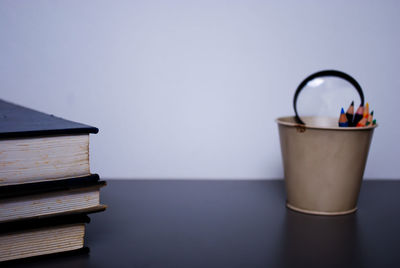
point(190, 89)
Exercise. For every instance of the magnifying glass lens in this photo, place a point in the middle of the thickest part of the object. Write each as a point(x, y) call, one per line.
point(325, 96)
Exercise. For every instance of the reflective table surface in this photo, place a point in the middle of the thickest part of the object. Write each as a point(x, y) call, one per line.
point(231, 223)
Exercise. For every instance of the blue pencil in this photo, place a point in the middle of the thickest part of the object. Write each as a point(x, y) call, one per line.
point(343, 119)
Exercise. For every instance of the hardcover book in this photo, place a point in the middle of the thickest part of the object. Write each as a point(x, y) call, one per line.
point(35, 146)
point(45, 199)
point(42, 236)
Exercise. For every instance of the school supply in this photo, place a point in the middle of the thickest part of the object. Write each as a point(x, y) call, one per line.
point(343, 119)
point(316, 154)
point(350, 114)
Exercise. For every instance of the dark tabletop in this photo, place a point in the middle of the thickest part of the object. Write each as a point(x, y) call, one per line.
point(211, 223)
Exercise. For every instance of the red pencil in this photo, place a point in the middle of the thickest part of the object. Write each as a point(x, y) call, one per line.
point(362, 122)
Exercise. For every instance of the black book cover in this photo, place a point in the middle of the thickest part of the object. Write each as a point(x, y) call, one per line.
point(37, 260)
point(18, 121)
point(16, 190)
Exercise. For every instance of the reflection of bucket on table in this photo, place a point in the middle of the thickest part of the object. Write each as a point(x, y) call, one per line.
point(323, 164)
point(320, 241)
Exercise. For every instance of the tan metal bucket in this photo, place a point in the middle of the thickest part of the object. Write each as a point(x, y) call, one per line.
point(323, 163)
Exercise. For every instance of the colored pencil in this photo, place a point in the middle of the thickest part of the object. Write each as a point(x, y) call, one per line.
point(350, 114)
point(358, 116)
point(370, 117)
point(366, 110)
point(362, 122)
point(343, 119)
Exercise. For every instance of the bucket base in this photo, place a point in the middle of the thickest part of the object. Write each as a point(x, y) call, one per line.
point(314, 212)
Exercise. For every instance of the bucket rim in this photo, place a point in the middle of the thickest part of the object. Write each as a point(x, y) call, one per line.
point(280, 121)
point(321, 213)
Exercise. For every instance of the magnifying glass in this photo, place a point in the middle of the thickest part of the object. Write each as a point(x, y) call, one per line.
point(324, 93)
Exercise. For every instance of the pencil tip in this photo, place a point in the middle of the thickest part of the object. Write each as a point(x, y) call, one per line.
point(372, 112)
point(352, 103)
point(342, 111)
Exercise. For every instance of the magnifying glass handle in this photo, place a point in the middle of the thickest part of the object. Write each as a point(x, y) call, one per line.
point(325, 73)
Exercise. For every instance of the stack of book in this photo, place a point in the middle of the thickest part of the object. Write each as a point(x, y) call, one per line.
point(46, 188)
